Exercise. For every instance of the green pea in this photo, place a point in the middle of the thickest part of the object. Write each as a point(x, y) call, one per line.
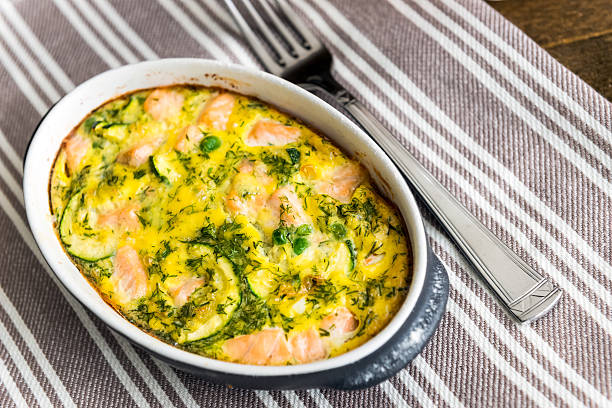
point(210, 143)
point(279, 236)
point(338, 230)
point(300, 245)
point(304, 229)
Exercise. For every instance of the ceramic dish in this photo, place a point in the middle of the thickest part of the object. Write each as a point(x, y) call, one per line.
point(368, 359)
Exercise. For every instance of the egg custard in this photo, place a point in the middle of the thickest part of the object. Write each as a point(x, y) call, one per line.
point(227, 228)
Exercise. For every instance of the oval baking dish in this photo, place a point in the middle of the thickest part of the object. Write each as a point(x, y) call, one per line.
point(69, 111)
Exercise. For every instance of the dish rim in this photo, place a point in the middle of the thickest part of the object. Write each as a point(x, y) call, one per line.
point(63, 267)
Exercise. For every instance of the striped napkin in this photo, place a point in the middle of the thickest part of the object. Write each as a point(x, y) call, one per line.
point(521, 141)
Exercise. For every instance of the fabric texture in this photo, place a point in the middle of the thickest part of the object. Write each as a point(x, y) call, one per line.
point(521, 141)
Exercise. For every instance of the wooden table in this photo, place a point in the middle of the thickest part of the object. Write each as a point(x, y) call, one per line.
point(578, 33)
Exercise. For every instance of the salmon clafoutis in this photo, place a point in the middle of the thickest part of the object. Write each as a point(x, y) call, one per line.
point(227, 228)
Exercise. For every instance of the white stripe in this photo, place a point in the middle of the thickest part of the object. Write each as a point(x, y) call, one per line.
point(229, 39)
point(464, 138)
point(193, 30)
point(319, 399)
point(39, 50)
point(10, 153)
point(504, 97)
point(415, 389)
point(496, 358)
point(530, 69)
point(22, 82)
point(96, 21)
point(176, 383)
point(266, 398)
point(394, 396)
point(222, 14)
point(293, 399)
point(27, 61)
point(502, 333)
point(11, 387)
point(78, 309)
point(39, 355)
point(86, 34)
point(434, 379)
point(521, 86)
point(23, 367)
point(128, 33)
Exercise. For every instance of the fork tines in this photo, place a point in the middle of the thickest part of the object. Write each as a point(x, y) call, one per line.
point(276, 34)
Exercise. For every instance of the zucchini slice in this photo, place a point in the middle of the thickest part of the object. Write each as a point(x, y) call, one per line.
point(213, 304)
point(261, 282)
point(342, 260)
point(132, 110)
point(165, 168)
point(115, 132)
point(352, 254)
point(78, 236)
point(60, 181)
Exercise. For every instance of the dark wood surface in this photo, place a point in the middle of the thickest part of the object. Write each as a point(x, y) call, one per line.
point(578, 33)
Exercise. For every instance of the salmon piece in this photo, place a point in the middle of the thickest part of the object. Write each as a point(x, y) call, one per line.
point(267, 347)
point(264, 344)
point(181, 293)
point(138, 154)
point(268, 132)
point(123, 218)
point(281, 353)
point(342, 183)
point(373, 259)
point(189, 137)
point(237, 347)
point(129, 277)
point(163, 104)
point(245, 167)
point(217, 111)
point(260, 171)
point(285, 205)
point(340, 322)
point(307, 346)
point(76, 148)
point(247, 195)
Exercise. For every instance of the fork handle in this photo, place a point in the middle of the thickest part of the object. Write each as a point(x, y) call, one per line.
point(525, 293)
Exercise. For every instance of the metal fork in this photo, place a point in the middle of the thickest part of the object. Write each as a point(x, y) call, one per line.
point(287, 48)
